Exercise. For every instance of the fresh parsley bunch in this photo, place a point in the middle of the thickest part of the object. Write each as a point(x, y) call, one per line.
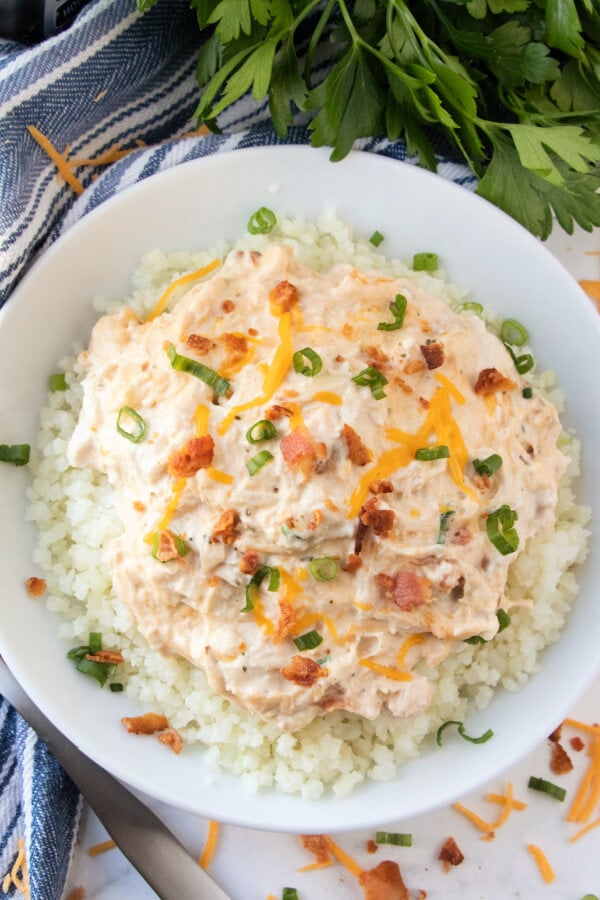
point(513, 85)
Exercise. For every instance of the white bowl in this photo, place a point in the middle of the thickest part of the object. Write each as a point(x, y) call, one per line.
point(190, 206)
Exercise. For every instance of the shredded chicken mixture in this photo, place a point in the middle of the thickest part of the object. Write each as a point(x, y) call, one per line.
point(302, 518)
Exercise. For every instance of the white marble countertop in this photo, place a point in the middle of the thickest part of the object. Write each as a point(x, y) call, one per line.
point(250, 865)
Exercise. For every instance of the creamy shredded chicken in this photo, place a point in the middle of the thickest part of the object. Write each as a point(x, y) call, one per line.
point(415, 571)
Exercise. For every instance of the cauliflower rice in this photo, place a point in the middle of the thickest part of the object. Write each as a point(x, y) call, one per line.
point(74, 512)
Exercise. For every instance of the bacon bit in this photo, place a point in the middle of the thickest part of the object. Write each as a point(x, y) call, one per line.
point(303, 671)
point(434, 354)
point(425, 326)
point(340, 359)
point(361, 531)
point(36, 587)
point(77, 893)
point(149, 723)
point(227, 306)
point(301, 452)
point(315, 520)
point(335, 699)
point(560, 761)
point(375, 356)
point(577, 744)
point(556, 734)
point(372, 847)
point(401, 383)
point(252, 332)
point(283, 296)
point(210, 845)
point(331, 505)
point(358, 453)
point(224, 531)
point(384, 882)
point(197, 453)
point(167, 547)
point(214, 581)
point(381, 487)
point(104, 847)
point(407, 590)
point(451, 854)
point(481, 482)
point(199, 343)
point(353, 563)
point(139, 506)
point(317, 844)
point(489, 381)
point(277, 412)
point(236, 345)
point(249, 562)
point(172, 739)
point(347, 330)
point(542, 863)
point(105, 656)
point(461, 536)
point(413, 366)
point(286, 621)
point(424, 403)
point(380, 520)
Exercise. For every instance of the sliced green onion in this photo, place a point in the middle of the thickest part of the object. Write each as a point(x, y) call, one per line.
point(522, 363)
point(501, 531)
point(323, 660)
point(116, 687)
point(488, 466)
point(58, 382)
point(324, 569)
point(441, 538)
point(261, 431)
point(427, 454)
point(137, 435)
point(308, 641)
point(376, 238)
point(289, 894)
point(512, 332)
point(425, 262)
point(527, 393)
point(255, 582)
point(398, 311)
point(180, 545)
point(503, 619)
point(590, 897)
point(461, 730)
point(98, 670)
point(17, 454)
point(471, 307)
point(393, 837)
point(315, 362)
point(215, 381)
point(263, 221)
point(256, 463)
point(547, 787)
point(374, 379)
point(95, 645)
point(78, 652)
point(475, 639)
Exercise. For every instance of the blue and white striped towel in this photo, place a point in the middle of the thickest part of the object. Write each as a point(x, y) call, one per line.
point(116, 77)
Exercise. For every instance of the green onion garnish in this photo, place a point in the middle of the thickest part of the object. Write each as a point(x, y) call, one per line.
point(590, 897)
point(470, 307)
point(461, 730)
point(315, 362)
point(17, 454)
point(323, 660)
point(425, 262)
point(95, 645)
point(488, 466)
point(261, 431)
point(546, 787)
point(512, 332)
point(503, 619)
point(374, 379)
point(116, 687)
point(324, 569)
point(78, 652)
point(522, 363)
point(376, 238)
point(289, 894)
point(256, 463)
point(501, 531)
point(215, 381)
point(98, 670)
point(256, 581)
point(441, 538)
point(263, 221)
point(527, 393)
point(308, 641)
point(398, 311)
point(58, 382)
point(180, 545)
point(137, 435)
point(475, 639)
point(426, 454)
point(392, 837)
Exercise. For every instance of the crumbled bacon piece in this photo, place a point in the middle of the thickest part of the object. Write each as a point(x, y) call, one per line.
point(35, 586)
point(353, 562)
point(315, 520)
point(199, 343)
point(481, 482)
point(413, 366)
point(277, 412)
point(197, 453)
point(489, 381)
point(451, 854)
point(556, 734)
point(402, 384)
point(372, 846)
point(461, 536)
point(358, 453)
point(434, 354)
point(317, 844)
point(359, 538)
point(167, 547)
point(236, 345)
point(339, 358)
point(560, 761)
point(303, 671)
point(380, 520)
point(224, 530)
point(424, 403)
point(228, 306)
point(139, 506)
point(301, 452)
point(172, 739)
point(253, 332)
point(406, 589)
point(148, 723)
point(284, 295)
point(249, 562)
point(285, 622)
point(577, 744)
point(105, 656)
point(381, 487)
point(384, 882)
point(376, 357)
point(77, 893)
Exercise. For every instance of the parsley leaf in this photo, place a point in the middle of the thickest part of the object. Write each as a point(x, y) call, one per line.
point(563, 27)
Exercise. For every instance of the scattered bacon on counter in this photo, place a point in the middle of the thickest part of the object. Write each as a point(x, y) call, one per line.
point(384, 882)
point(148, 723)
point(317, 844)
point(490, 381)
point(560, 761)
point(35, 586)
point(303, 671)
point(577, 744)
point(197, 453)
point(450, 854)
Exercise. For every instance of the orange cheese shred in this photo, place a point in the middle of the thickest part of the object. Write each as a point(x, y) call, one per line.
point(579, 834)
point(386, 671)
point(104, 847)
point(20, 882)
point(179, 282)
point(489, 828)
point(592, 289)
point(210, 845)
point(343, 857)
point(542, 863)
point(588, 792)
point(59, 160)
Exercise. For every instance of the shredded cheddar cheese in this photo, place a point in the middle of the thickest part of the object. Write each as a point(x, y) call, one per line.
point(387, 671)
point(211, 844)
point(13, 878)
point(59, 159)
point(328, 397)
point(178, 488)
point(489, 828)
point(179, 282)
point(413, 641)
point(592, 289)
point(343, 857)
point(542, 863)
point(588, 792)
point(586, 828)
point(104, 847)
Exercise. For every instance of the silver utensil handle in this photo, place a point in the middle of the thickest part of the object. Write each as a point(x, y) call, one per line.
point(141, 836)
